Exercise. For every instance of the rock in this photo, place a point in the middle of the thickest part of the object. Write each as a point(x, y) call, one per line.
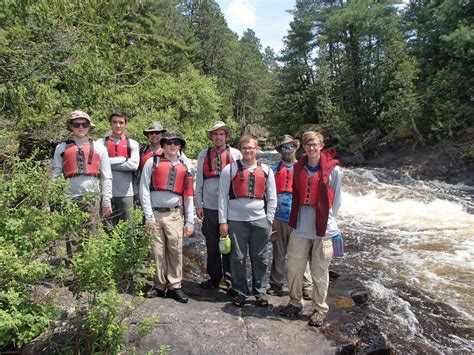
point(360, 296)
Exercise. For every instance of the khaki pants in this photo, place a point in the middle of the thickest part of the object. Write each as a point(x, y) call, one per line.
point(281, 232)
point(168, 249)
point(299, 250)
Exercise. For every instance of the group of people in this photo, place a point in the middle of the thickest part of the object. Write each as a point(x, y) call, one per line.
point(292, 203)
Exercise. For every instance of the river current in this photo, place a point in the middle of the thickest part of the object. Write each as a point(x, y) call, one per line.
point(412, 244)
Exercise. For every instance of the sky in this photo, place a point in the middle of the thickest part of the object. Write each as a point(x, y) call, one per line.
point(267, 18)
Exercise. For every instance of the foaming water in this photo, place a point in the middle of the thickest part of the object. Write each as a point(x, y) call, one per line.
point(414, 246)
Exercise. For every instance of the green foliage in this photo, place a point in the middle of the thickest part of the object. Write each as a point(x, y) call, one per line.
point(29, 230)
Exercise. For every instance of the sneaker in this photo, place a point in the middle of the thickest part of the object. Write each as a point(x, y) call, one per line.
point(155, 292)
point(178, 295)
point(209, 285)
point(317, 319)
point(291, 311)
point(238, 301)
point(308, 294)
point(275, 290)
point(261, 300)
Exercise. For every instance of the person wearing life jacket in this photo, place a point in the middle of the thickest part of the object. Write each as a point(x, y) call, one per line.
point(283, 172)
point(166, 189)
point(154, 133)
point(316, 201)
point(86, 166)
point(124, 159)
point(247, 202)
point(210, 163)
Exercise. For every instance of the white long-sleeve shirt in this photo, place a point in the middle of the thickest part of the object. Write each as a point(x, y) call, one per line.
point(245, 209)
point(150, 199)
point(123, 168)
point(207, 190)
point(82, 184)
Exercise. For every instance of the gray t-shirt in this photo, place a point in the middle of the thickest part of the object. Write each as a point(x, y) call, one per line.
point(306, 227)
point(207, 190)
point(245, 209)
point(81, 185)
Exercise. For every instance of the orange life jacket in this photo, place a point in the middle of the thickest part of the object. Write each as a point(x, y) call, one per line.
point(284, 178)
point(214, 163)
point(172, 178)
point(146, 153)
point(121, 149)
point(75, 162)
point(246, 184)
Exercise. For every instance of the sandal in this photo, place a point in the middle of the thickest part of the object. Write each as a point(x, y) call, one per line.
point(291, 311)
point(261, 301)
point(238, 301)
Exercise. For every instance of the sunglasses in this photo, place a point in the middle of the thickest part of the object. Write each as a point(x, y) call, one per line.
point(172, 142)
point(154, 133)
point(80, 124)
point(286, 148)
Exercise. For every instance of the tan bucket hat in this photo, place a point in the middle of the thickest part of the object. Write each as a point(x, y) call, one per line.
point(218, 125)
point(155, 126)
point(286, 139)
point(78, 114)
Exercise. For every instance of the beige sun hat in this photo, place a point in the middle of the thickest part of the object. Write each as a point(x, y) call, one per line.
point(78, 114)
point(286, 139)
point(218, 125)
point(155, 126)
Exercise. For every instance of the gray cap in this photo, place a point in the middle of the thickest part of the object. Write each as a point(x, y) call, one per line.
point(154, 127)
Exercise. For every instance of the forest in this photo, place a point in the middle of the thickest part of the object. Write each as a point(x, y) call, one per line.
point(355, 65)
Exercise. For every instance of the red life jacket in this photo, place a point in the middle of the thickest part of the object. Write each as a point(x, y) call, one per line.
point(246, 184)
point(172, 178)
point(146, 153)
point(284, 178)
point(214, 163)
point(75, 162)
point(121, 149)
point(309, 187)
point(314, 191)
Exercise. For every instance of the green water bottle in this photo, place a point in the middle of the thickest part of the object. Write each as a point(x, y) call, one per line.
point(224, 244)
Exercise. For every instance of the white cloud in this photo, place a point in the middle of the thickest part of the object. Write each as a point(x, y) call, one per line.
point(240, 15)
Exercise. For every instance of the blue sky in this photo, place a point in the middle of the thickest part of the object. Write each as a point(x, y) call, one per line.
point(267, 18)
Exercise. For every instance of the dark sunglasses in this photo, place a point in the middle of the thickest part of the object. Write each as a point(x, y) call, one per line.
point(172, 142)
point(286, 148)
point(80, 124)
point(154, 133)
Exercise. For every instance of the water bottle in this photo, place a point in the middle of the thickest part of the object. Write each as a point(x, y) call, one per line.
point(224, 244)
point(338, 245)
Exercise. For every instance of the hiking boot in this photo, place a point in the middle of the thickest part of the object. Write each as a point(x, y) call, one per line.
point(291, 311)
point(308, 294)
point(155, 292)
point(209, 285)
point(261, 300)
point(238, 301)
point(231, 292)
point(317, 319)
point(178, 295)
point(275, 290)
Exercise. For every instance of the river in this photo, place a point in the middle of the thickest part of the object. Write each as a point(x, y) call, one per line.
point(411, 243)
